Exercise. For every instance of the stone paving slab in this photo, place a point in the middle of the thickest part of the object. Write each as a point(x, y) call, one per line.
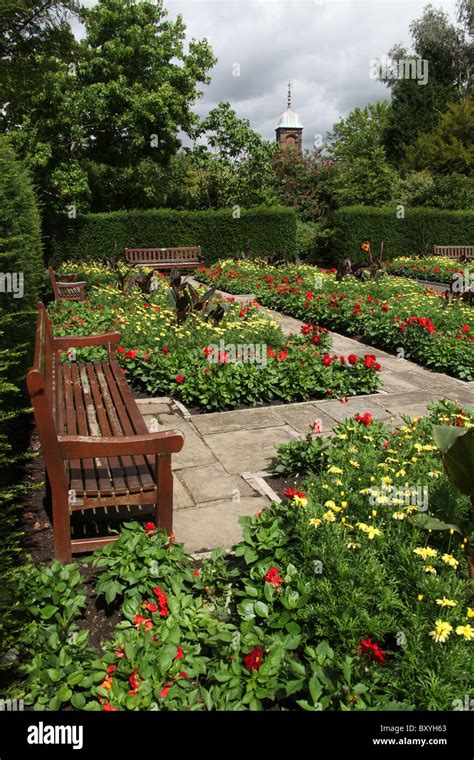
point(356, 405)
point(222, 422)
point(215, 524)
point(194, 452)
point(301, 416)
point(212, 482)
point(248, 450)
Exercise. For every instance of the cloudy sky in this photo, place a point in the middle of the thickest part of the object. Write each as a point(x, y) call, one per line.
point(323, 46)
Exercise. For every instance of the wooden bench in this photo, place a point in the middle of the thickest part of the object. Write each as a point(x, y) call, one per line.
point(96, 445)
point(455, 252)
point(67, 291)
point(186, 257)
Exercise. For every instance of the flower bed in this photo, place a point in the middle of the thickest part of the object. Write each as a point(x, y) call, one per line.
point(340, 598)
point(245, 359)
point(431, 268)
point(393, 314)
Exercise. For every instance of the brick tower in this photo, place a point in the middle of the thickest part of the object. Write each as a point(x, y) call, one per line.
point(289, 130)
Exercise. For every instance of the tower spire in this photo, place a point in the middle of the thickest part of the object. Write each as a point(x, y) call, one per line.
point(289, 94)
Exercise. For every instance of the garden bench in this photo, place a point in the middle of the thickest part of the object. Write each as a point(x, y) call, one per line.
point(455, 252)
point(96, 445)
point(186, 257)
point(67, 291)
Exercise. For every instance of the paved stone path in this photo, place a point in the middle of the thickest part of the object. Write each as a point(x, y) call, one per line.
point(218, 474)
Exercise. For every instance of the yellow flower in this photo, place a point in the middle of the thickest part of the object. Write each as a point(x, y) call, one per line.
point(467, 631)
point(372, 532)
point(300, 501)
point(330, 504)
point(353, 545)
point(315, 522)
point(386, 479)
point(446, 602)
point(430, 569)
point(448, 559)
point(411, 508)
point(470, 612)
point(425, 551)
point(329, 516)
point(400, 473)
point(335, 470)
point(398, 515)
point(343, 504)
point(354, 463)
point(441, 632)
point(420, 597)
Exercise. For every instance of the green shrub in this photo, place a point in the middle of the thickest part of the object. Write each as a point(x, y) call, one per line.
point(20, 257)
point(312, 239)
point(416, 233)
point(258, 230)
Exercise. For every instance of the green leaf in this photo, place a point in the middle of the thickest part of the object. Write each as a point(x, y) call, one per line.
point(261, 609)
point(48, 611)
point(429, 522)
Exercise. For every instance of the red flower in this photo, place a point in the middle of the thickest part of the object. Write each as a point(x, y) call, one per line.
point(207, 351)
point(162, 600)
point(369, 360)
point(150, 527)
point(352, 359)
point(364, 419)
point(305, 329)
point(253, 660)
point(139, 620)
point(134, 681)
point(197, 573)
point(179, 654)
point(165, 351)
point(283, 354)
point(369, 648)
point(131, 354)
point(120, 349)
point(316, 427)
point(222, 357)
point(107, 707)
point(180, 379)
point(271, 353)
point(151, 607)
point(326, 360)
point(111, 669)
point(290, 492)
point(384, 307)
point(274, 578)
point(465, 328)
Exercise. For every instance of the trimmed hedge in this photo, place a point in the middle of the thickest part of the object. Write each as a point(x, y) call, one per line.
point(416, 233)
point(259, 230)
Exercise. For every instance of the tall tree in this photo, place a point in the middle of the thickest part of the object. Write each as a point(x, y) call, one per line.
point(443, 51)
point(362, 173)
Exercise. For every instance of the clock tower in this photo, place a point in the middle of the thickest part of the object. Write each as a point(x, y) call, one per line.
point(289, 131)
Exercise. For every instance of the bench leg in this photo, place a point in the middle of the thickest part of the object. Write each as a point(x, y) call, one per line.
point(61, 526)
point(164, 483)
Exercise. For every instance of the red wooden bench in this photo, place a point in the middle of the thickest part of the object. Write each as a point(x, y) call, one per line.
point(184, 257)
point(96, 446)
point(67, 291)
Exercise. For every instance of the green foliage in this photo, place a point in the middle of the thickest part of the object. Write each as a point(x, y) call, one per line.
point(304, 182)
point(362, 173)
point(448, 148)
point(417, 232)
point(219, 233)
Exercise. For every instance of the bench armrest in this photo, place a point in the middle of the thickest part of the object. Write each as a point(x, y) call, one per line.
point(85, 447)
point(71, 284)
point(82, 341)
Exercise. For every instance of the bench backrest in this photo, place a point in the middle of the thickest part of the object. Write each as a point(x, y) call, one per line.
point(455, 252)
point(52, 277)
point(44, 382)
point(163, 255)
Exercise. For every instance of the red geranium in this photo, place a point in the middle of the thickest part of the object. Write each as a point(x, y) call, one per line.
point(180, 379)
point(162, 600)
point(369, 360)
point(352, 359)
point(274, 578)
point(364, 419)
point(150, 527)
point(253, 660)
point(371, 649)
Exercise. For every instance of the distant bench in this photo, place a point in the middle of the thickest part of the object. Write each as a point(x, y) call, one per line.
point(455, 252)
point(186, 257)
point(71, 290)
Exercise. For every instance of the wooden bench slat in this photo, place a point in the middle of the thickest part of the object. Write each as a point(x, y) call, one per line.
point(88, 465)
point(165, 258)
point(101, 465)
point(114, 464)
point(75, 469)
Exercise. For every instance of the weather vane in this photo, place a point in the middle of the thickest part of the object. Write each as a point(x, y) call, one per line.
point(289, 94)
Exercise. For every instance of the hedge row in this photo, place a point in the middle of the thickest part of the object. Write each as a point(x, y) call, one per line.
point(262, 230)
point(21, 265)
point(414, 233)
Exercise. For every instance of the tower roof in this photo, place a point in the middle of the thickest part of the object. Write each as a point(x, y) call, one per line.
point(289, 120)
